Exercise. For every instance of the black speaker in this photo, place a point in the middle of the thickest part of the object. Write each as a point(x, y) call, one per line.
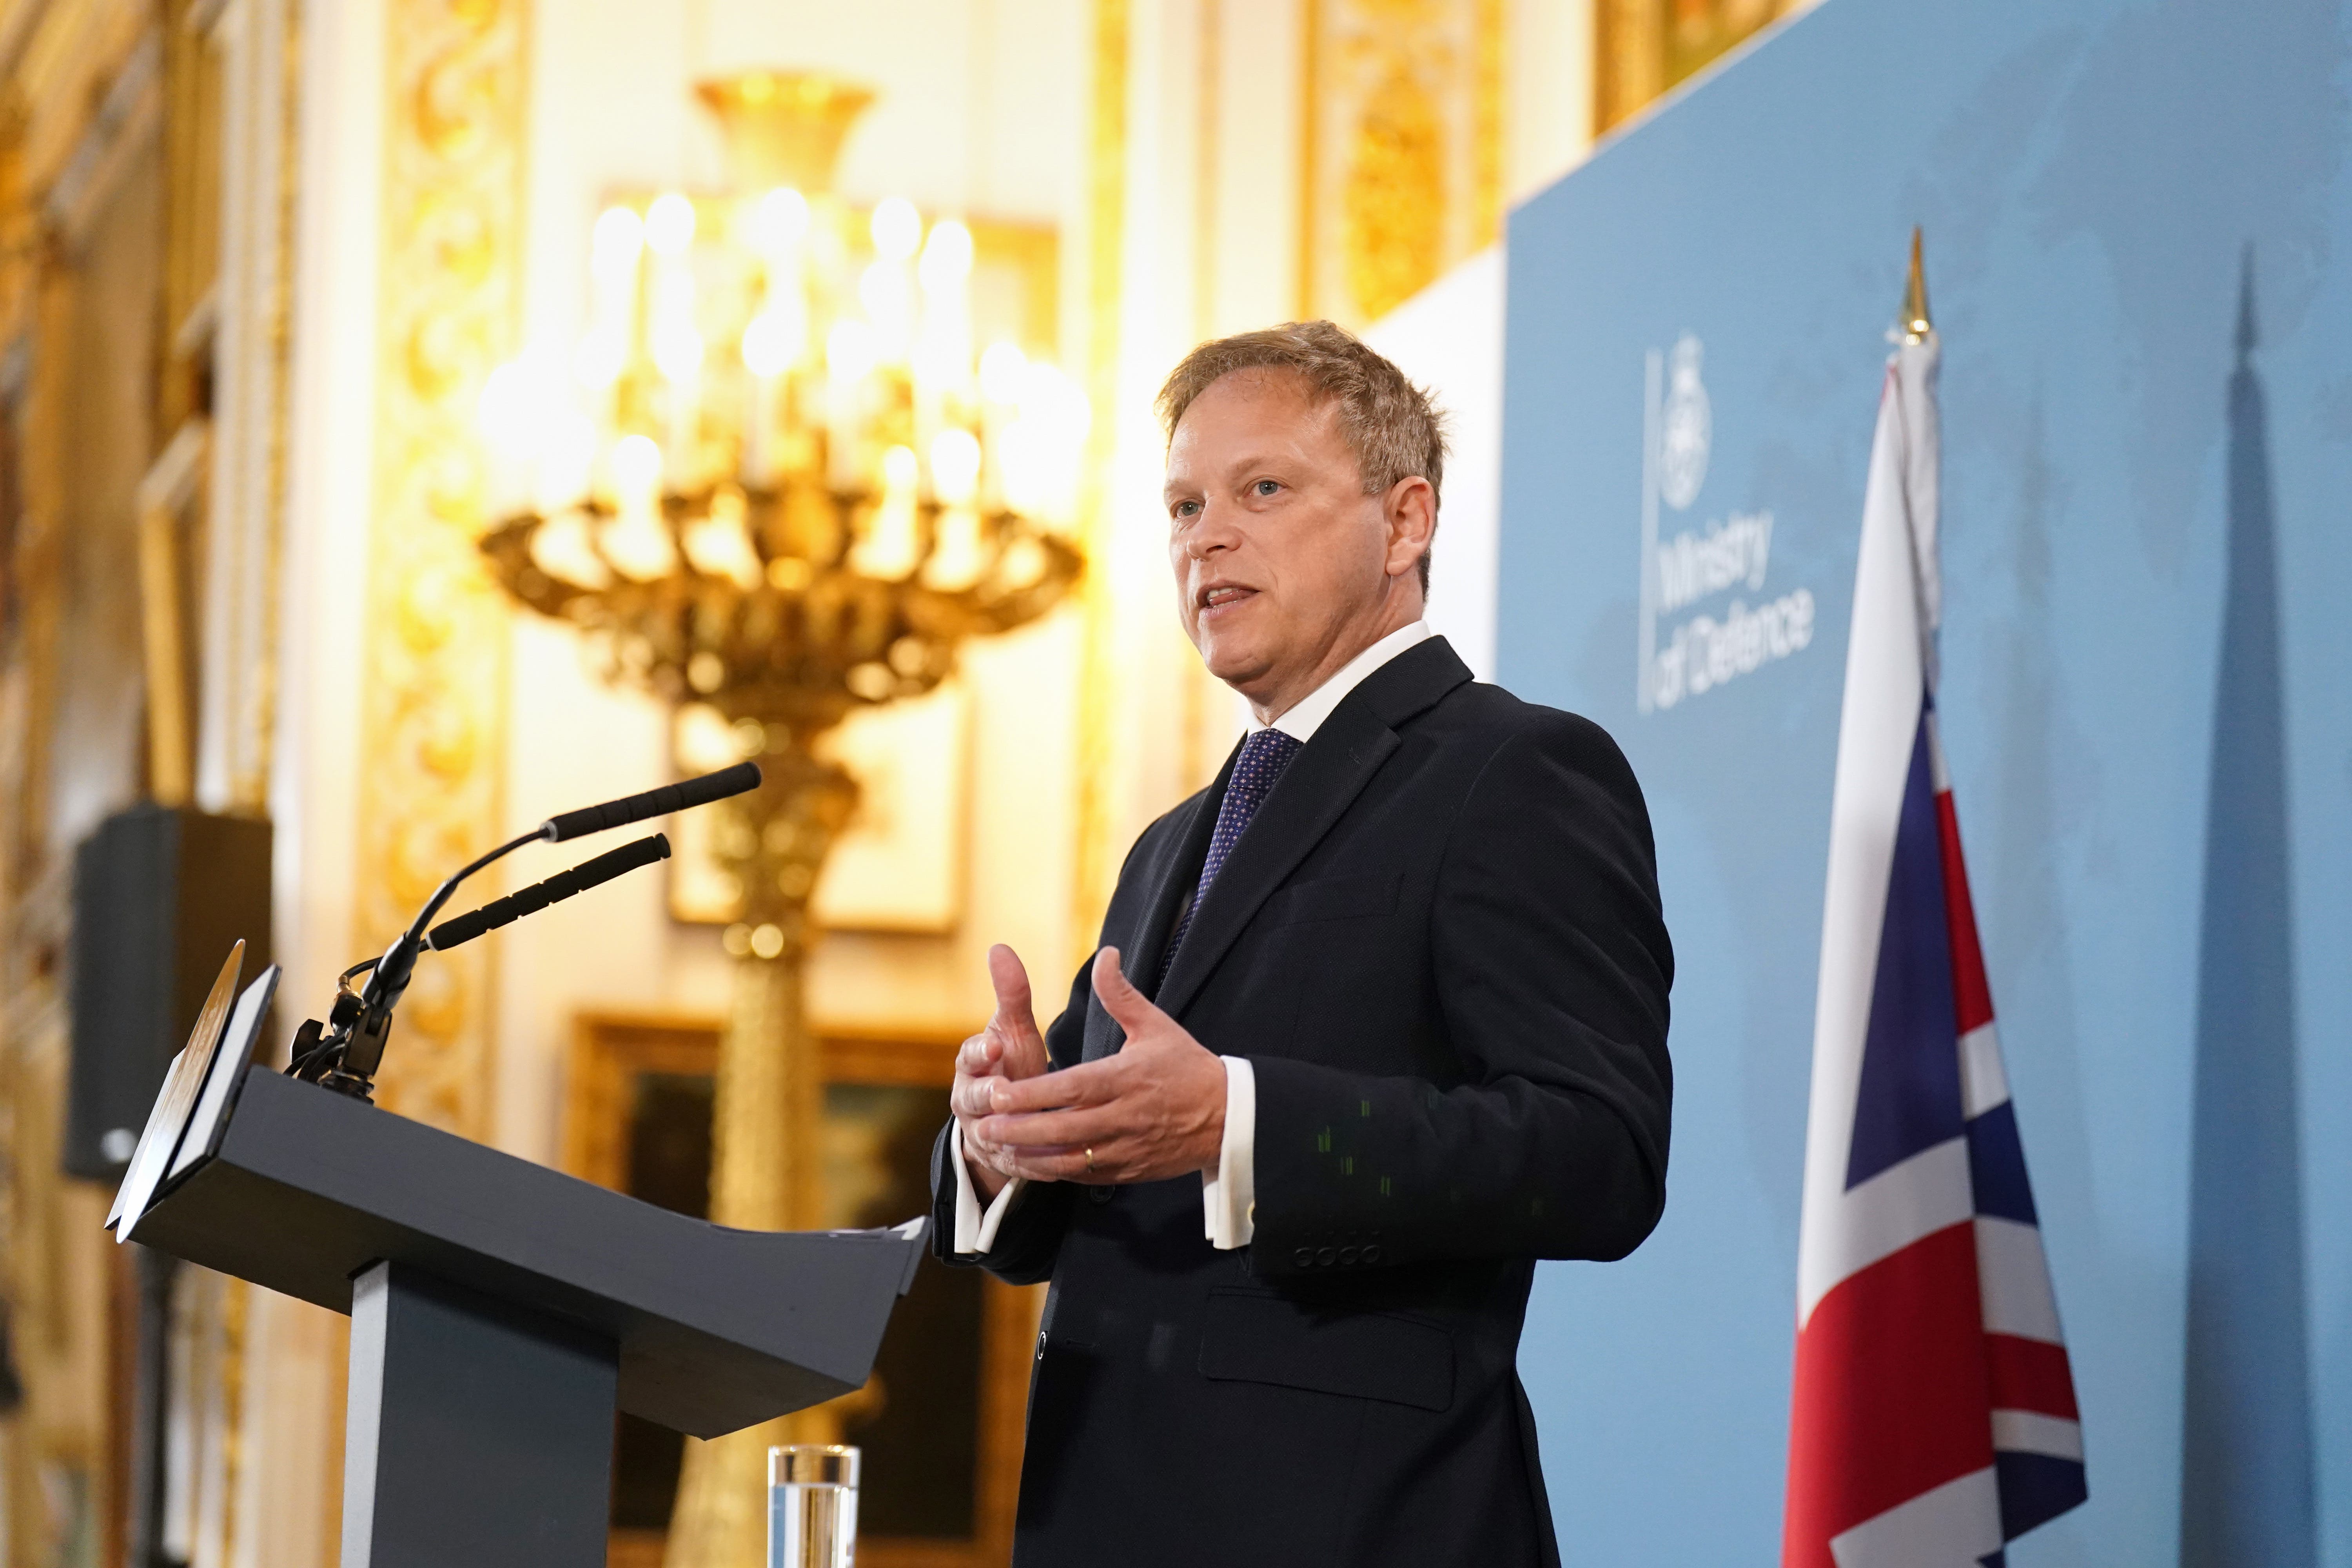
point(161, 894)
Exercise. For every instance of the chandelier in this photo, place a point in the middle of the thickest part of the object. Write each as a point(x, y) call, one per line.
point(777, 473)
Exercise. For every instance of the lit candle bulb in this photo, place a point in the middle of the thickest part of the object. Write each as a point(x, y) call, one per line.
point(672, 336)
point(945, 272)
point(779, 222)
point(848, 360)
point(677, 355)
point(504, 414)
point(777, 227)
point(942, 362)
point(719, 545)
point(887, 289)
point(637, 542)
point(670, 224)
point(955, 467)
point(569, 457)
point(1001, 371)
point(617, 245)
point(955, 558)
point(767, 355)
point(889, 548)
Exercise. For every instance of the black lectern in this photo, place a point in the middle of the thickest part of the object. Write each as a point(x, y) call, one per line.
point(499, 1311)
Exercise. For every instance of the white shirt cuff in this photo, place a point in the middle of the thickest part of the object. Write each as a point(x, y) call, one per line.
point(1228, 1193)
point(975, 1229)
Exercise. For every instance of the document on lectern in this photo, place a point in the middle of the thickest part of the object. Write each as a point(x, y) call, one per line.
point(196, 1092)
point(230, 1058)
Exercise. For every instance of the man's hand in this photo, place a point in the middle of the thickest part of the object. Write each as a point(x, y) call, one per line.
point(1155, 1110)
point(1008, 1050)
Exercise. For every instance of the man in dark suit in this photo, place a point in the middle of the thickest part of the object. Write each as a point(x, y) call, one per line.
point(1379, 1019)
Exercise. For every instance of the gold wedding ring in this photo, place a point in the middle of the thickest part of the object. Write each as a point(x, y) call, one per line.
point(1090, 1159)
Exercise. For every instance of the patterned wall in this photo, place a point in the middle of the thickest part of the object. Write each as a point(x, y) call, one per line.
point(1403, 152)
point(436, 636)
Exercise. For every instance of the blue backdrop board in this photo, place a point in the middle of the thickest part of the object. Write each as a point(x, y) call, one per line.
point(2138, 220)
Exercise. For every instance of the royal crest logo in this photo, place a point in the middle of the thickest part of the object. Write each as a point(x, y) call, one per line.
point(1717, 646)
point(1685, 426)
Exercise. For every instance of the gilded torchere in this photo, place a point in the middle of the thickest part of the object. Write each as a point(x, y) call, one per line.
point(778, 478)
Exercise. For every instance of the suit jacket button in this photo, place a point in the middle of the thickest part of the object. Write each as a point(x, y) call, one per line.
point(1371, 1252)
point(1100, 1194)
point(1326, 1256)
point(1304, 1258)
point(1347, 1258)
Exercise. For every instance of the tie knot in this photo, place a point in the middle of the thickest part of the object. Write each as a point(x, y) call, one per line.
point(1264, 756)
point(1269, 745)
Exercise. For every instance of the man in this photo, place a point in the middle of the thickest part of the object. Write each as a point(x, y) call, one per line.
point(1378, 1019)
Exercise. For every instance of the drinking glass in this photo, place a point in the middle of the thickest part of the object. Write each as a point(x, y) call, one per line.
point(812, 1505)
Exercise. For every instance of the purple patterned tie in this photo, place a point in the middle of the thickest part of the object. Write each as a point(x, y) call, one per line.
point(1264, 756)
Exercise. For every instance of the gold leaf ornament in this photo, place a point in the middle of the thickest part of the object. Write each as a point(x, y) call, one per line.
point(452, 475)
point(457, 97)
point(445, 349)
point(1393, 209)
point(428, 604)
point(450, 743)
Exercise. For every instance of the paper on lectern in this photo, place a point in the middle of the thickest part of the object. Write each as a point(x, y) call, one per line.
point(220, 1081)
point(160, 1136)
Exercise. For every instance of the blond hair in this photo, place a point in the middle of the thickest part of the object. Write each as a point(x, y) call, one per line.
point(1390, 425)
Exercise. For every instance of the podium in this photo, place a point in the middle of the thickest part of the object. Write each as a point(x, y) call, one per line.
point(500, 1311)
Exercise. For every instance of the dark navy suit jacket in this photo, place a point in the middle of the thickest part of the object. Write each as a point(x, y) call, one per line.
point(1439, 946)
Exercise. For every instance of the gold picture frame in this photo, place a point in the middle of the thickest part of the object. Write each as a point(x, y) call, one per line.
point(620, 1061)
point(898, 865)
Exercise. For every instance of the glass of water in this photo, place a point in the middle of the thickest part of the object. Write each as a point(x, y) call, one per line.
point(812, 1505)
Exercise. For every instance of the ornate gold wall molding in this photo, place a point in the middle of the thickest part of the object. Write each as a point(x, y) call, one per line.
point(1207, 145)
point(63, 67)
point(1487, 79)
point(434, 670)
point(1101, 847)
point(1401, 152)
point(1643, 47)
point(242, 98)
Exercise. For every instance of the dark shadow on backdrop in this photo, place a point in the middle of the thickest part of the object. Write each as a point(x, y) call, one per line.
point(2246, 1484)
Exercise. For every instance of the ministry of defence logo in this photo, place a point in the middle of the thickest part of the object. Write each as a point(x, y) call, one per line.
point(1685, 427)
point(1709, 649)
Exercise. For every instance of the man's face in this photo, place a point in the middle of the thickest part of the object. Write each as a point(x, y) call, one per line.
point(1285, 568)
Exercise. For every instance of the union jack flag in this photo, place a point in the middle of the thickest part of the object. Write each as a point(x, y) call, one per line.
point(1934, 1417)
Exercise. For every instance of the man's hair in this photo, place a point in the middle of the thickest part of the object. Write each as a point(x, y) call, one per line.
point(1390, 425)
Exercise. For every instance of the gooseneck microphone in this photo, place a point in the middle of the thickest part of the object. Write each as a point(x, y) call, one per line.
point(681, 796)
point(529, 900)
point(344, 1052)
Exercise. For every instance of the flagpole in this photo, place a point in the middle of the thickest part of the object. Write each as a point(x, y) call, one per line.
point(1913, 368)
point(1916, 323)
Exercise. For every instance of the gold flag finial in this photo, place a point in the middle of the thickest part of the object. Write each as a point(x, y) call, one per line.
point(1915, 324)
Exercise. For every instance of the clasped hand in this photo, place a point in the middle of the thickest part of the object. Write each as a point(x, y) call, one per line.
point(1156, 1109)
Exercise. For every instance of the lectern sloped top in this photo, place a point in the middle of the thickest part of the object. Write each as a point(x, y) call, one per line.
point(717, 1329)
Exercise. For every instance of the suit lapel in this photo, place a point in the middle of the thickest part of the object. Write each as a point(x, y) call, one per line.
point(1171, 882)
point(1313, 793)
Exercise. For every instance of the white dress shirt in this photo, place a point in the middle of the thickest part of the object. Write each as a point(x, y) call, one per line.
point(1228, 1191)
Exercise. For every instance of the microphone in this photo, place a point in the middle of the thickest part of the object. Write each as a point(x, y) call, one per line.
point(652, 803)
point(350, 1050)
point(390, 981)
point(529, 900)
